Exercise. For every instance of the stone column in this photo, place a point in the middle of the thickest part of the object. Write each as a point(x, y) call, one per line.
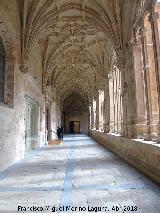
point(146, 80)
point(128, 97)
point(152, 76)
point(106, 107)
point(155, 25)
point(111, 102)
point(124, 96)
point(97, 110)
point(140, 122)
point(92, 116)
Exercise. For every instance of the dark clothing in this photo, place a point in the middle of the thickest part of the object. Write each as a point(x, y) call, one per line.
point(61, 132)
point(58, 133)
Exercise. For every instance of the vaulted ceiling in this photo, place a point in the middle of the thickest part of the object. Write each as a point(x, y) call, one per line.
point(77, 39)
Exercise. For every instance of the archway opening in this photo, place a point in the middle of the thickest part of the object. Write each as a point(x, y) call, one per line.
point(75, 115)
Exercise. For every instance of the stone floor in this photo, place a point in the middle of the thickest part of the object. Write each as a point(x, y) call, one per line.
point(78, 175)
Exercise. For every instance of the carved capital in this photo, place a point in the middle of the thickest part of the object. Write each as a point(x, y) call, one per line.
point(23, 68)
point(122, 63)
point(50, 93)
point(124, 90)
point(129, 48)
point(150, 18)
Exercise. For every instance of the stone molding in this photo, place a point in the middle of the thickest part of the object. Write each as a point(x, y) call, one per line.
point(9, 64)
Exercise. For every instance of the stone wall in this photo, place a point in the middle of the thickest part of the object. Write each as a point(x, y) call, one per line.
point(143, 155)
point(82, 117)
point(13, 117)
point(13, 120)
point(12, 133)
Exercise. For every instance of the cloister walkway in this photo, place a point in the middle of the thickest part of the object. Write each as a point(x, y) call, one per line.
point(78, 173)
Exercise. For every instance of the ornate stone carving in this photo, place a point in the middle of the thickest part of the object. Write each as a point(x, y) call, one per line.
point(9, 63)
point(23, 68)
point(124, 90)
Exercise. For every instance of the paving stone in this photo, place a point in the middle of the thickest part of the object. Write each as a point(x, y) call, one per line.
point(77, 173)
